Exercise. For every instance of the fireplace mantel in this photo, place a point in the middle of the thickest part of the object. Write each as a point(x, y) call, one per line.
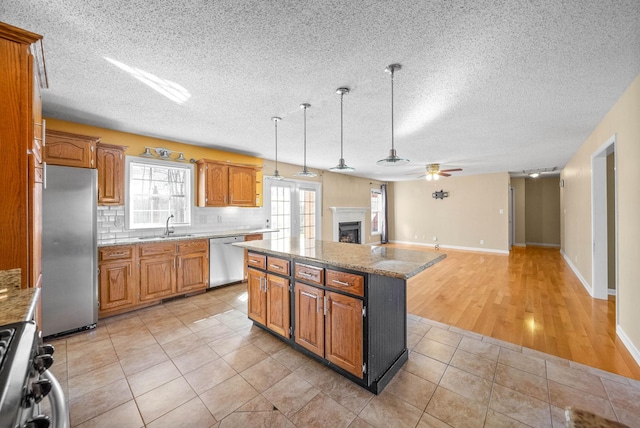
point(346, 214)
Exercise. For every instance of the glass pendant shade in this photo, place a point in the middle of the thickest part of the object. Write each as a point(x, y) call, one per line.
point(342, 166)
point(305, 172)
point(276, 175)
point(393, 159)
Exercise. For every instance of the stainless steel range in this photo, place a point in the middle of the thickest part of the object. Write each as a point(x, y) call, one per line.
point(25, 380)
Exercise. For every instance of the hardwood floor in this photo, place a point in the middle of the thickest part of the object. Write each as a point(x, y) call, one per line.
point(529, 297)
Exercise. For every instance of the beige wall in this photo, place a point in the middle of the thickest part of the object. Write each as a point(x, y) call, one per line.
point(338, 190)
point(623, 122)
point(470, 214)
point(519, 194)
point(542, 210)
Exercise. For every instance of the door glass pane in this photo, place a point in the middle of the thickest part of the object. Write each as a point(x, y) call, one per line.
point(307, 214)
point(281, 211)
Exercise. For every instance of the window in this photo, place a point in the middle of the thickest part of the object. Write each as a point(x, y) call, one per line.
point(157, 190)
point(377, 208)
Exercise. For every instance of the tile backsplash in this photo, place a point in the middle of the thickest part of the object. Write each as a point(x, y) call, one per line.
point(111, 222)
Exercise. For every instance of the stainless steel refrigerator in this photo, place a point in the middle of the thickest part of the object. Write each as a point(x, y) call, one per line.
point(69, 249)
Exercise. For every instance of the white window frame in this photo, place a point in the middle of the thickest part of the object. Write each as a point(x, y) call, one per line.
point(161, 163)
point(296, 186)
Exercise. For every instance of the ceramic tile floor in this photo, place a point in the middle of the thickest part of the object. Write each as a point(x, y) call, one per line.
point(198, 362)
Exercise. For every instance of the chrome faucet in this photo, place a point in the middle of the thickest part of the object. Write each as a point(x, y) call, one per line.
point(166, 229)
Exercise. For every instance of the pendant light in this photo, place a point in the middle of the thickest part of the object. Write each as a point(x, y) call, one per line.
point(276, 175)
point(393, 159)
point(342, 166)
point(305, 172)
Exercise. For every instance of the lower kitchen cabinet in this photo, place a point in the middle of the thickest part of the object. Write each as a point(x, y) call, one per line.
point(351, 321)
point(157, 277)
point(118, 288)
point(134, 276)
point(269, 301)
point(330, 325)
point(193, 266)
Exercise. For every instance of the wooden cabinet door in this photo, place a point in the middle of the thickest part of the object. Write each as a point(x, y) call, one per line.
point(117, 288)
point(242, 186)
point(157, 277)
point(309, 312)
point(110, 163)
point(257, 300)
point(344, 332)
point(193, 272)
point(278, 308)
point(68, 149)
point(217, 185)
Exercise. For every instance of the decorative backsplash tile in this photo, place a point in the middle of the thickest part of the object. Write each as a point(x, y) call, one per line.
point(111, 221)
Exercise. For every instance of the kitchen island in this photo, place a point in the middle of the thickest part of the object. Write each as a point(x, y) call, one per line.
point(341, 304)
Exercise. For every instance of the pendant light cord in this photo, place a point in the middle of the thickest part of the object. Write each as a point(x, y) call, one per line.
point(392, 142)
point(305, 139)
point(341, 132)
point(276, 123)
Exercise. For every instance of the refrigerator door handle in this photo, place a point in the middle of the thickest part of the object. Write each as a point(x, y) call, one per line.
point(44, 175)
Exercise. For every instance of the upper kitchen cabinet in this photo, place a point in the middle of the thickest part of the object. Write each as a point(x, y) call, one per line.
point(22, 75)
point(110, 163)
point(223, 184)
point(66, 149)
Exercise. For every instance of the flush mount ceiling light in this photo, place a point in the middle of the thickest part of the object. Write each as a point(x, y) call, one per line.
point(393, 159)
point(305, 172)
point(342, 166)
point(276, 175)
point(534, 174)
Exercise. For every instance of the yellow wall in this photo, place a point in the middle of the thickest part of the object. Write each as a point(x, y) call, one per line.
point(623, 122)
point(542, 210)
point(470, 214)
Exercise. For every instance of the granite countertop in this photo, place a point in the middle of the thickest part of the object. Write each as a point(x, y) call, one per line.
point(182, 236)
point(379, 260)
point(16, 304)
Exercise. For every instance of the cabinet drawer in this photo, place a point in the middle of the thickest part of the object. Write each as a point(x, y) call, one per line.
point(257, 260)
point(275, 264)
point(115, 253)
point(146, 250)
point(347, 282)
point(195, 246)
point(253, 237)
point(310, 274)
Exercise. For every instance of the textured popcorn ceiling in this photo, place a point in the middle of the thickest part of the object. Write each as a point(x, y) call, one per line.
point(488, 86)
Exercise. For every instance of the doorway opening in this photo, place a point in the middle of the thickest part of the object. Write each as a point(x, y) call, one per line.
point(604, 221)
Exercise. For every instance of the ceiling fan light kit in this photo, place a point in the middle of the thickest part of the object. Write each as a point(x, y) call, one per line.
point(393, 159)
point(305, 172)
point(342, 166)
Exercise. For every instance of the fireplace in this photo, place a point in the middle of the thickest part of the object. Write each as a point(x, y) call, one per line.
point(349, 232)
point(349, 215)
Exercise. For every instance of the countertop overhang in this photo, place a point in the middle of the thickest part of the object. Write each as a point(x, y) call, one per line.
point(379, 260)
point(182, 237)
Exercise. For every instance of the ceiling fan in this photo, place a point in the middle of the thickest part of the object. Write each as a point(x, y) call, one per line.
point(434, 172)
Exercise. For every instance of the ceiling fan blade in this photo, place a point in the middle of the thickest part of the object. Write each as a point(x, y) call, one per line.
point(444, 174)
point(451, 170)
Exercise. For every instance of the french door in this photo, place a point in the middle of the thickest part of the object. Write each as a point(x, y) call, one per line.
point(293, 207)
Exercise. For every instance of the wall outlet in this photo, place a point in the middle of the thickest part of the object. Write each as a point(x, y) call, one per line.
point(435, 238)
point(415, 236)
point(482, 242)
point(501, 211)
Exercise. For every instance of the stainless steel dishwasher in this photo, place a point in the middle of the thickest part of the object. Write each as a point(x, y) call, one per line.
point(226, 262)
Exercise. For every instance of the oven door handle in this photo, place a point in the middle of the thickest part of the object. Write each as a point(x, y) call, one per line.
point(59, 409)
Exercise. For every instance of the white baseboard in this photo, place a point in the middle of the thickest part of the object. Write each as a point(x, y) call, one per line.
point(575, 270)
point(453, 247)
point(633, 350)
point(542, 244)
point(519, 244)
point(612, 291)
